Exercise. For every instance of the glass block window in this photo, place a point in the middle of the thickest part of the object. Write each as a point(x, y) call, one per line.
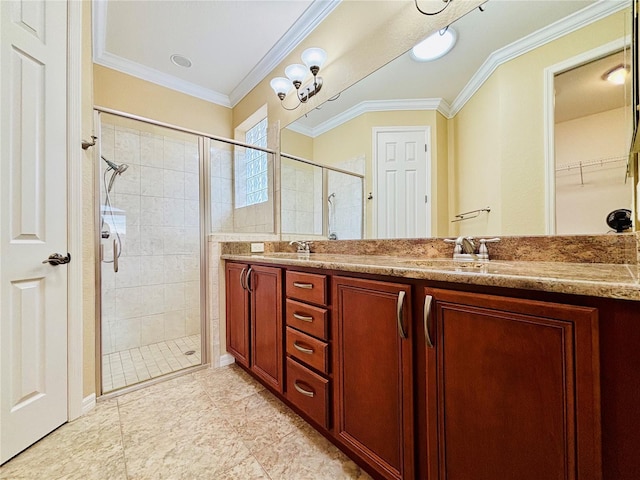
point(256, 164)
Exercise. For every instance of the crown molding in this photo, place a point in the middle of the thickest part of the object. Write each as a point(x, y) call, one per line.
point(573, 22)
point(437, 104)
point(309, 20)
point(160, 78)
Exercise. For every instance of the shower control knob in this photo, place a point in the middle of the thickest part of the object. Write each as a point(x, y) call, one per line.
point(57, 259)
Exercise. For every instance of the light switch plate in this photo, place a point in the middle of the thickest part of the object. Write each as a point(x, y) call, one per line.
point(257, 247)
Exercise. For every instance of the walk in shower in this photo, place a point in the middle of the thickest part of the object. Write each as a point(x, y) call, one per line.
point(320, 200)
point(150, 253)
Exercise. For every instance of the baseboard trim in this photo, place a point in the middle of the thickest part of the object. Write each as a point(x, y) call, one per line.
point(88, 403)
point(226, 359)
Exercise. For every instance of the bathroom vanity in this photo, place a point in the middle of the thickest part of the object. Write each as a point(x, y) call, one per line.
point(432, 369)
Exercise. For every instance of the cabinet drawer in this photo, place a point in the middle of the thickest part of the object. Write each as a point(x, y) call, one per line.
point(308, 350)
point(309, 319)
point(308, 391)
point(308, 287)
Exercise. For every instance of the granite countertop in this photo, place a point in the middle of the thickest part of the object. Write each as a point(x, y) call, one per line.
point(593, 279)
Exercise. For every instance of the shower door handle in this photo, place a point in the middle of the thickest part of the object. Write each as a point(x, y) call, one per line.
point(115, 256)
point(56, 259)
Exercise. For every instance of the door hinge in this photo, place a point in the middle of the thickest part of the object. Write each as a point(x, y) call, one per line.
point(426, 198)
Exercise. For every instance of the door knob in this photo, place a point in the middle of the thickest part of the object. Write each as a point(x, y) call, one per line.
point(57, 259)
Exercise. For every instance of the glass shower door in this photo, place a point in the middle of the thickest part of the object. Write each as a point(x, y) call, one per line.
point(150, 249)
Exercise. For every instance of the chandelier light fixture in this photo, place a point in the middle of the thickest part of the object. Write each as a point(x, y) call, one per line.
point(313, 59)
point(441, 9)
point(436, 12)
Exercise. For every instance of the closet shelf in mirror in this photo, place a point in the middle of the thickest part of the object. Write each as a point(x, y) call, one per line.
point(590, 163)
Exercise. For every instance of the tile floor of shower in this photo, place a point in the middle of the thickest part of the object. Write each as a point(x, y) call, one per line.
point(135, 365)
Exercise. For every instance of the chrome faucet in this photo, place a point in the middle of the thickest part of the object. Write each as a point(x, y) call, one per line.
point(302, 245)
point(465, 249)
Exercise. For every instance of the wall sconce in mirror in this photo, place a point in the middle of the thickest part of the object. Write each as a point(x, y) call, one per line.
point(313, 59)
point(617, 75)
point(446, 4)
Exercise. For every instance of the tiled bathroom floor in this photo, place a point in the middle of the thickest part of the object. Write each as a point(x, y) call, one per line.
point(121, 369)
point(212, 424)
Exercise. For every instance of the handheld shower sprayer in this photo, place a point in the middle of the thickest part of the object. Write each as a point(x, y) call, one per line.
point(117, 170)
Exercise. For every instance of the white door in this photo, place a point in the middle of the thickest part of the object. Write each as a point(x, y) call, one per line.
point(33, 221)
point(402, 183)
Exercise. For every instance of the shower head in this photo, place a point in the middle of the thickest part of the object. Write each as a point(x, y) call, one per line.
point(119, 169)
point(331, 196)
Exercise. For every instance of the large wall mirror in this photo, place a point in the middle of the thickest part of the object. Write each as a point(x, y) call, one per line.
point(515, 131)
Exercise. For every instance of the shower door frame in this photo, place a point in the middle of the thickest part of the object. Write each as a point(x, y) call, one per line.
point(203, 171)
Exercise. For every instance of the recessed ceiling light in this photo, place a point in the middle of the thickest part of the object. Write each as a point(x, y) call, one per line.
point(435, 45)
point(617, 75)
point(180, 60)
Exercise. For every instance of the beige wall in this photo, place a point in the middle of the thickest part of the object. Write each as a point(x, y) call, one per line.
point(88, 240)
point(122, 92)
point(499, 137)
point(296, 144)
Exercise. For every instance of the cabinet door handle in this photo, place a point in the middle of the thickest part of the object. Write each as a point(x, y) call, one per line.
point(242, 273)
point(248, 278)
point(299, 347)
point(427, 320)
point(400, 312)
point(304, 318)
point(302, 390)
point(308, 286)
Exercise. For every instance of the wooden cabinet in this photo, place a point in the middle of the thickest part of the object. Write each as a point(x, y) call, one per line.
point(237, 310)
point(373, 395)
point(508, 388)
point(512, 389)
point(254, 320)
point(307, 345)
point(265, 287)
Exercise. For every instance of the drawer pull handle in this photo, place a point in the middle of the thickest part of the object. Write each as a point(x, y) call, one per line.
point(304, 318)
point(302, 390)
point(308, 286)
point(299, 347)
point(401, 331)
point(427, 320)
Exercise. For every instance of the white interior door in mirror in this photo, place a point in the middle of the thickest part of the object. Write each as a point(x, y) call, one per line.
point(33, 222)
point(402, 184)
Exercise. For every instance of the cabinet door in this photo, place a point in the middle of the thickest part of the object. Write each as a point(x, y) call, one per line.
point(373, 370)
point(237, 308)
point(514, 392)
point(265, 285)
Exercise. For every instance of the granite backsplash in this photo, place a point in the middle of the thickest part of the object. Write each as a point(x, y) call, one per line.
point(613, 248)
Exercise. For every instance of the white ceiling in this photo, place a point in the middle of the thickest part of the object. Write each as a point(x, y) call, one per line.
point(581, 91)
point(233, 44)
point(504, 30)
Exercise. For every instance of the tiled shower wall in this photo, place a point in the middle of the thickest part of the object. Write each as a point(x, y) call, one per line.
point(301, 198)
point(348, 199)
point(155, 296)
